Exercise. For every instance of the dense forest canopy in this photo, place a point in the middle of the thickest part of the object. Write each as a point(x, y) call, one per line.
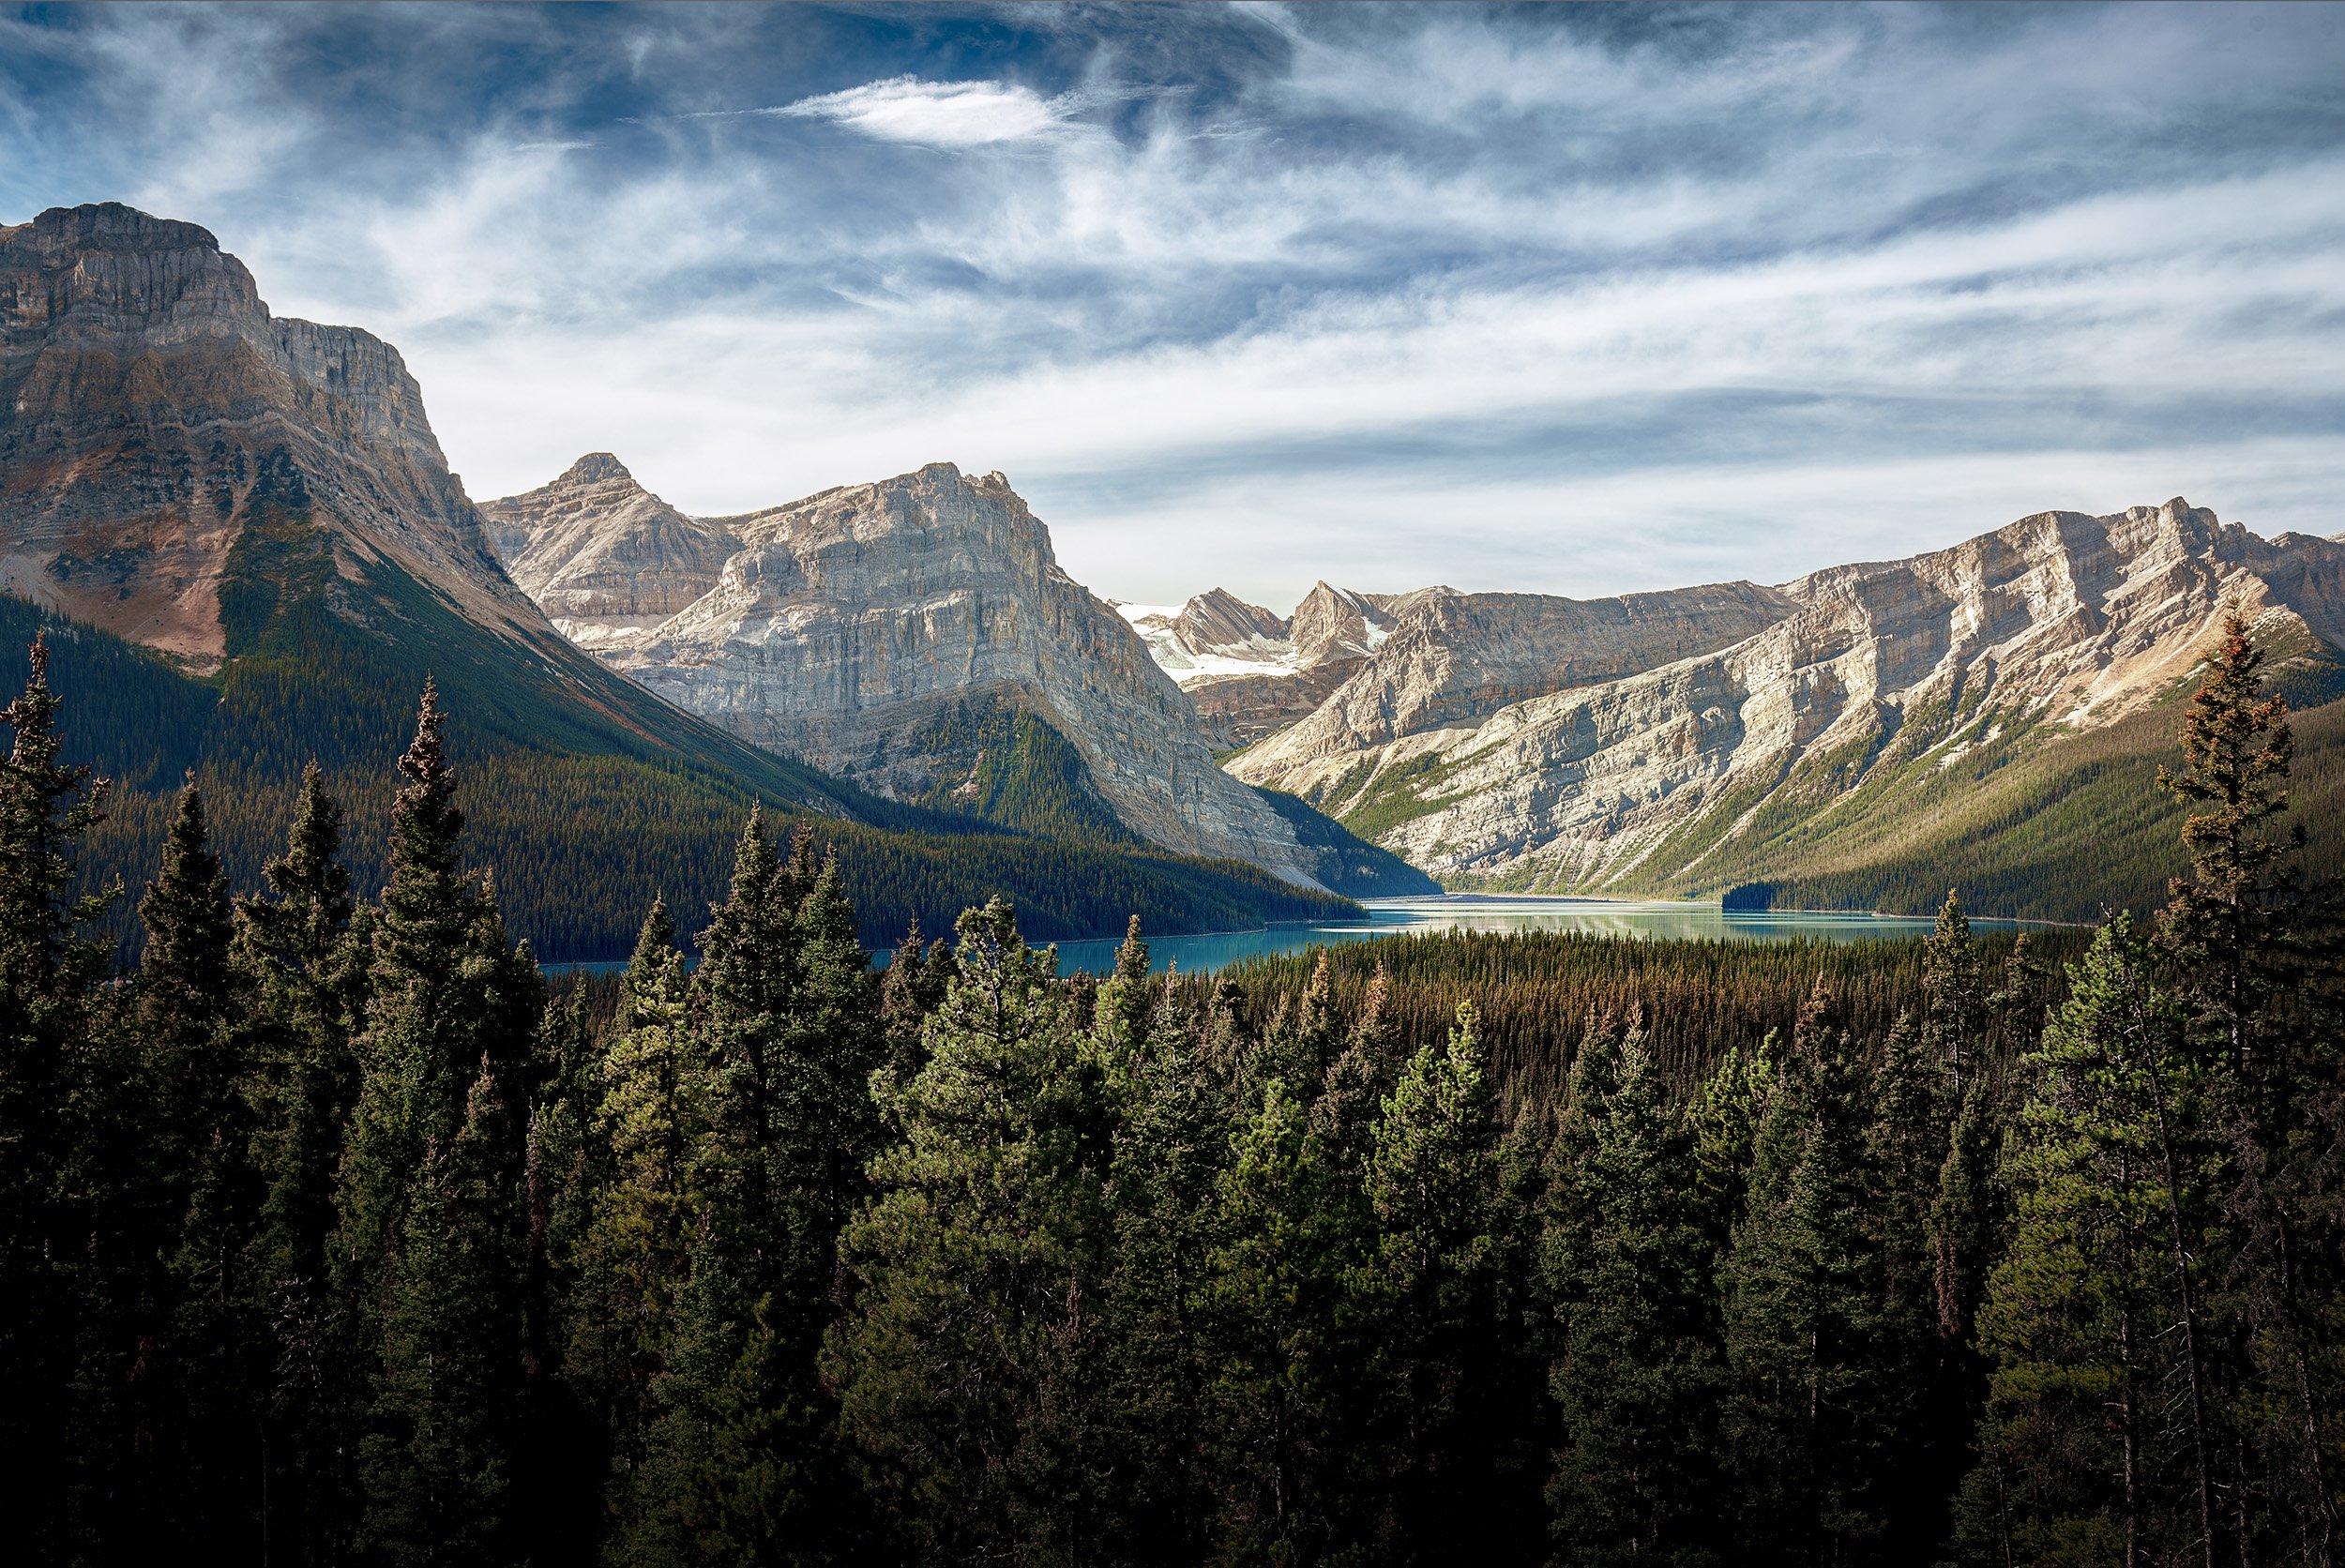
point(329, 1235)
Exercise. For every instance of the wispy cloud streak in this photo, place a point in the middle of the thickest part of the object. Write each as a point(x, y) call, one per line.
point(1581, 299)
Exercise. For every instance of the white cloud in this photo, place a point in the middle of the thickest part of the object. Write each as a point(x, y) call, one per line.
point(934, 114)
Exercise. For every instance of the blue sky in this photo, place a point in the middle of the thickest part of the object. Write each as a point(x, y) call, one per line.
point(1579, 300)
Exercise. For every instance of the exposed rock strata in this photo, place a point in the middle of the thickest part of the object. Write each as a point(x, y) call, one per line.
point(844, 622)
point(152, 412)
point(604, 557)
point(1454, 659)
point(1251, 673)
point(2059, 619)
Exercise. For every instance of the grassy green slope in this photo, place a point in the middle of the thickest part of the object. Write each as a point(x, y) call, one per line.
point(586, 794)
point(2040, 822)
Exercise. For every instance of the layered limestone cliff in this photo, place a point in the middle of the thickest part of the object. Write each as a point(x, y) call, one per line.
point(153, 413)
point(605, 558)
point(1452, 659)
point(843, 627)
point(2058, 623)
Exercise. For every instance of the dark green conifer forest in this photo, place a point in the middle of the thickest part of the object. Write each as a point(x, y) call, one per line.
point(329, 1233)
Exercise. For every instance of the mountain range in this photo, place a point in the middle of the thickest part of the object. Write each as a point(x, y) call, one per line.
point(250, 550)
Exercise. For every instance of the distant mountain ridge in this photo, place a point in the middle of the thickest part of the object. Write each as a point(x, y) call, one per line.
point(1251, 673)
point(1854, 718)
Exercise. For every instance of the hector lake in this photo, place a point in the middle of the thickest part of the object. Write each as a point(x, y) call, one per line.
point(1393, 917)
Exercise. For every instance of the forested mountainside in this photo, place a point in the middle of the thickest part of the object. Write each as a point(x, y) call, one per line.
point(331, 1237)
point(1977, 714)
point(255, 555)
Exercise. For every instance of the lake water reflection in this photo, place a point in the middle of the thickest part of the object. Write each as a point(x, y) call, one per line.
point(1389, 917)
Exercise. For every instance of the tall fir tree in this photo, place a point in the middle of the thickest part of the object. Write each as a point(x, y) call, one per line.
point(2098, 1438)
point(2247, 958)
point(431, 1204)
point(210, 1474)
point(1810, 1427)
point(1635, 1379)
point(975, 1263)
point(80, 1227)
point(301, 964)
point(1435, 1293)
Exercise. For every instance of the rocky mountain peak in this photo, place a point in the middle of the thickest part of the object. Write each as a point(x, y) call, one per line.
point(1220, 619)
point(594, 469)
point(604, 557)
point(148, 401)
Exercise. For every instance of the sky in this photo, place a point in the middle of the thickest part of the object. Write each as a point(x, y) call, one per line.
point(1579, 300)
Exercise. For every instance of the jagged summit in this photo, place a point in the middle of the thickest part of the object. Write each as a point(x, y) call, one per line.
point(593, 469)
point(152, 411)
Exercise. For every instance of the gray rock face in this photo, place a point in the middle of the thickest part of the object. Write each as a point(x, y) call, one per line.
point(2058, 619)
point(152, 409)
point(604, 557)
point(844, 623)
point(1453, 658)
point(1251, 673)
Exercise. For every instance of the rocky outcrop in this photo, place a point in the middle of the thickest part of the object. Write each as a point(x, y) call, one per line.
point(1451, 660)
point(153, 413)
point(2059, 621)
point(605, 558)
point(845, 623)
point(1250, 673)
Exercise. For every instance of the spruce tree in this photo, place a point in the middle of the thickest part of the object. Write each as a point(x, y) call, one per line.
point(1635, 1377)
point(2263, 1000)
point(1434, 1291)
point(741, 1463)
point(2099, 1440)
point(1171, 1146)
point(429, 1247)
point(1278, 1370)
point(2229, 922)
point(209, 1479)
point(1810, 1427)
point(80, 1228)
point(974, 1264)
point(302, 968)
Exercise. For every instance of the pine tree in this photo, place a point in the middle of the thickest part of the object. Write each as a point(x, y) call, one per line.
point(1808, 1428)
point(909, 993)
point(1171, 1148)
point(636, 1248)
point(2260, 998)
point(2228, 924)
point(1434, 1291)
point(1955, 1029)
point(740, 1463)
point(209, 1462)
point(431, 1204)
point(2098, 1439)
point(78, 1227)
point(1277, 1361)
point(1635, 1377)
point(302, 968)
point(976, 1264)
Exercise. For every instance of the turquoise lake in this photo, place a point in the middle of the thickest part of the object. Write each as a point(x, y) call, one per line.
point(1389, 917)
point(1468, 911)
